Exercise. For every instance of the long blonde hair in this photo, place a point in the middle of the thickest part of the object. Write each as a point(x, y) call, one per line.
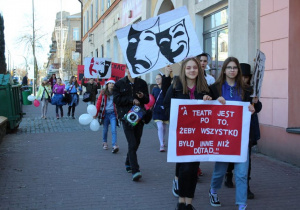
point(201, 85)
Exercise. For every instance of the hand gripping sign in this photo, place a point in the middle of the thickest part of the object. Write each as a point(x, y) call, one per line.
point(208, 131)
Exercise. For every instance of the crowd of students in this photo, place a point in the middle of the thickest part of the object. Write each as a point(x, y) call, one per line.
point(117, 99)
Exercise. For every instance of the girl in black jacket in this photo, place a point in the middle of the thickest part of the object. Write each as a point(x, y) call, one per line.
point(191, 84)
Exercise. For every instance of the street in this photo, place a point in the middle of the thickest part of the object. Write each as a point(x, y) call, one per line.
point(60, 164)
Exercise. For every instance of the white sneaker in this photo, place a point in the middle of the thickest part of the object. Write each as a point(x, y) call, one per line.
point(115, 149)
point(175, 188)
point(105, 146)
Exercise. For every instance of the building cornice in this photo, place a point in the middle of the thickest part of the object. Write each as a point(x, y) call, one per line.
point(114, 4)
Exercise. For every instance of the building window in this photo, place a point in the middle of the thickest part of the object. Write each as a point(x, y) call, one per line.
point(75, 55)
point(215, 38)
point(87, 21)
point(215, 20)
point(96, 52)
point(102, 51)
point(92, 18)
point(75, 34)
point(92, 54)
point(97, 7)
point(108, 49)
point(116, 50)
point(84, 25)
point(108, 3)
point(102, 7)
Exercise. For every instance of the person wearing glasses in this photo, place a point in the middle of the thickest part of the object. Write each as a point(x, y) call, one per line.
point(230, 87)
point(254, 132)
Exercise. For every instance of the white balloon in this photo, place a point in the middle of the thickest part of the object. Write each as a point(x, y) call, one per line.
point(94, 126)
point(31, 98)
point(92, 110)
point(85, 119)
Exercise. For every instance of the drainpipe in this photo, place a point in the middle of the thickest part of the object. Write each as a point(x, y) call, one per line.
point(81, 31)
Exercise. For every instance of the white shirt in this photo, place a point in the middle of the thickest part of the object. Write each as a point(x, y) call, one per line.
point(209, 79)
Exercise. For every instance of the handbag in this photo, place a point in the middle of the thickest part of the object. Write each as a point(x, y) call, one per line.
point(148, 116)
point(86, 97)
point(68, 98)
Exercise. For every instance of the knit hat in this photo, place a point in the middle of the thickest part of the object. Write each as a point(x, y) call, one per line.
point(246, 69)
point(45, 79)
point(110, 80)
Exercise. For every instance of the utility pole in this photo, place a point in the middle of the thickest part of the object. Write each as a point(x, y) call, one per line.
point(61, 41)
point(33, 50)
point(8, 60)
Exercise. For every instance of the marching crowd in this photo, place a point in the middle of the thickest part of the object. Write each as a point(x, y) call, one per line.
point(118, 100)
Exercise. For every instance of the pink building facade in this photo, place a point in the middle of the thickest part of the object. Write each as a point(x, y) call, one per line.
point(280, 117)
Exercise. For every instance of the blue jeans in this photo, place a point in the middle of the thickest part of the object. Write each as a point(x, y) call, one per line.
point(110, 118)
point(241, 177)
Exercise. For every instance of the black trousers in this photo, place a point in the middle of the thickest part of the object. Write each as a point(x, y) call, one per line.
point(187, 178)
point(60, 108)
point(133, 136)
point(73, 110)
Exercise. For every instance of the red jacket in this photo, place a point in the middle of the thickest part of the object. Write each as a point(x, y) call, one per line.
point(101, 106)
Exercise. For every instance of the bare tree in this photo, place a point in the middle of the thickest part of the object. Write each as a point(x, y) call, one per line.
point(71, 63)
point(26, 40)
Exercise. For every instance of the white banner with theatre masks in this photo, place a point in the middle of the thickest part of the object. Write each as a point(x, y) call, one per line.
point(97, 68)
point(159, 41)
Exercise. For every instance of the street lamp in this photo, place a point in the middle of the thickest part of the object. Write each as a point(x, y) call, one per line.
point(81, 31)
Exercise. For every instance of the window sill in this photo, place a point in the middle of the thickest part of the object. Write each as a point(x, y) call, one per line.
point(295, 130)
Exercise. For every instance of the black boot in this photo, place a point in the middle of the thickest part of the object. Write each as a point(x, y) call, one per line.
point(69, 110)
point(180, 206)
point(228, 180)
point(250, 195)
point(73, 111)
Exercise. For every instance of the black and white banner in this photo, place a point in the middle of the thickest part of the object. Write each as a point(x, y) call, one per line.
point(159, 41)
point(97, 68)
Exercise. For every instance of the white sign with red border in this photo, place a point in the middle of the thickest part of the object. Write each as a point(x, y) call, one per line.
point(208, 131)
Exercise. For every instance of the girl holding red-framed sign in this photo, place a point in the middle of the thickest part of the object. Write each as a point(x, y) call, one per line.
point(190, 84)
point(230, 87)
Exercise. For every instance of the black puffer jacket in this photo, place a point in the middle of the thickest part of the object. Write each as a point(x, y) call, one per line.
point(177, 92)
point(91, 88)
point(124, 93)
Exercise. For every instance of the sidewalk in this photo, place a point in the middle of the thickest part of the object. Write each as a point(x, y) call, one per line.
point(60, 164)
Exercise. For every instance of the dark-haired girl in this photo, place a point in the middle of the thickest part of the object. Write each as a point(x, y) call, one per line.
point(230, 87)
point(72, 88)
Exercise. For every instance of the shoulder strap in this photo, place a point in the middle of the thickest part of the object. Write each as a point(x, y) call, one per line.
point(157, 99)
point(46, 92)
point(70, 88)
